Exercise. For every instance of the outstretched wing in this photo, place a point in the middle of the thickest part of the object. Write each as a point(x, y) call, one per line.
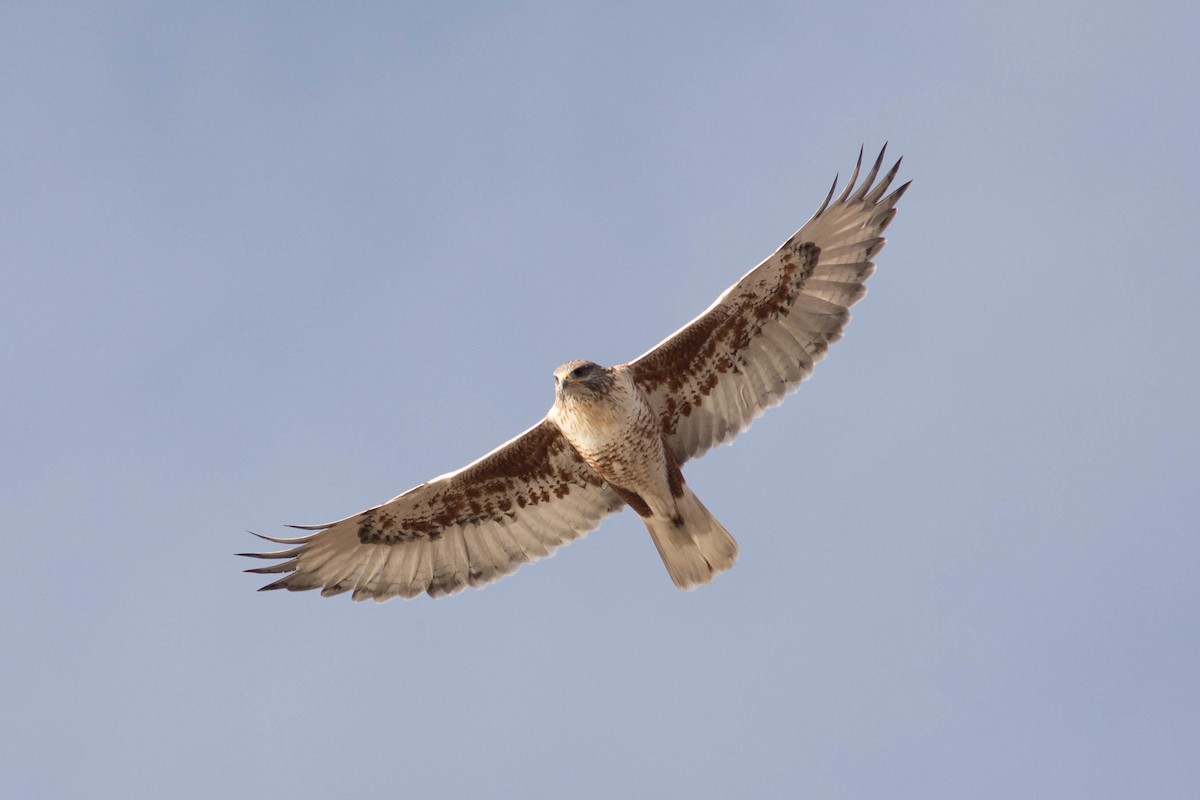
point(710, 379)
point(516, 504)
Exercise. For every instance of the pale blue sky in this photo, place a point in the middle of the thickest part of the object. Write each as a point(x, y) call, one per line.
point(272, 263)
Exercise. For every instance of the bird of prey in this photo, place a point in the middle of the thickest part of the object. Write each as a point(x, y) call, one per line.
point(617, 436)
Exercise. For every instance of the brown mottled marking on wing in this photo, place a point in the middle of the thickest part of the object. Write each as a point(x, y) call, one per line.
point(761, 338)
point(514, 505)
point(690, 364)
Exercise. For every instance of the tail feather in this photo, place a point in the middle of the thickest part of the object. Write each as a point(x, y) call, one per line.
point(696, 550)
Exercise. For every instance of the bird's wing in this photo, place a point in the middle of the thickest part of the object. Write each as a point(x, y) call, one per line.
point(516, 504)
point(711, 378)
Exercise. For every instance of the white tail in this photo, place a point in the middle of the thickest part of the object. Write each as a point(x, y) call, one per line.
point(696, 550)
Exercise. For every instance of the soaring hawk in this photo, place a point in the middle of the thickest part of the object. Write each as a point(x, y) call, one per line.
point(617, 436)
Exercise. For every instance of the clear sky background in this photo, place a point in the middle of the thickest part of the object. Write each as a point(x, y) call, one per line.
point(274, 263)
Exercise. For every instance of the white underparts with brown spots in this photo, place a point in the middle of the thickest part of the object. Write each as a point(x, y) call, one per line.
point(619, 436)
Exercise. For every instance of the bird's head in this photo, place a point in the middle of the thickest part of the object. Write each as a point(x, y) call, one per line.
point(579, 379)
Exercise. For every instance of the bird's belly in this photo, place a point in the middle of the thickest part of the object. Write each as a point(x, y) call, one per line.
point(627, 456)
point(621, 440)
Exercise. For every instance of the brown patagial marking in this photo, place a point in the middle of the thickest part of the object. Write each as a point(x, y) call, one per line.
point(550, 468)
point(728, 328)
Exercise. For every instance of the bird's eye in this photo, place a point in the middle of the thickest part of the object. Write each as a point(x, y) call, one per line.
point(578, 371)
